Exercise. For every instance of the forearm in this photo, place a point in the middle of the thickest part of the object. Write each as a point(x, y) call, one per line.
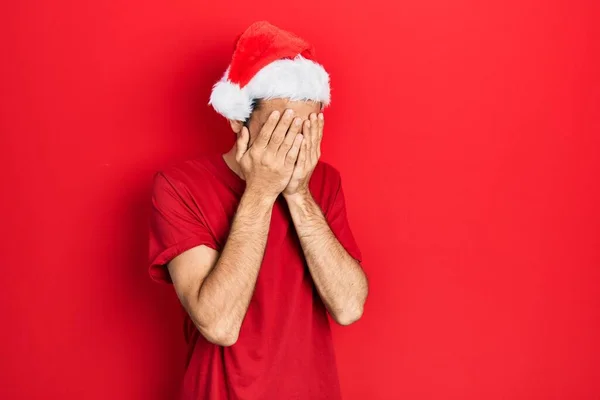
point(338, 277)
point(225, 294)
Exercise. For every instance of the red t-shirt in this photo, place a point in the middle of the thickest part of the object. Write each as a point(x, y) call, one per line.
point(284, 350)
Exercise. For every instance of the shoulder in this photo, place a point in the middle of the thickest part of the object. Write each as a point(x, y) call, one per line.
point(328, 174)
point(185, 171)
point(325, 183)
point(176, 177)
point(188, 169)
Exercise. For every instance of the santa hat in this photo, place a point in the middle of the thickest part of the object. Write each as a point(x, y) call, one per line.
point(269, 63)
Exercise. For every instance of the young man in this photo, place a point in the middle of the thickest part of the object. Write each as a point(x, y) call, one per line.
point(256, 241)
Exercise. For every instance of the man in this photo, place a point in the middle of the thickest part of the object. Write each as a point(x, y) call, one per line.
point(256, 241)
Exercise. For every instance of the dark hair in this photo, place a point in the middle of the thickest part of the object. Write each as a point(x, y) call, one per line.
point(256, 104)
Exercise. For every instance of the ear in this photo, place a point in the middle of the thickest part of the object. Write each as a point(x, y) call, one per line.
point(236, 126)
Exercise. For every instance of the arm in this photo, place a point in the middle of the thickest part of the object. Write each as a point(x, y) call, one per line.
point(216, 289)
point(338, 277)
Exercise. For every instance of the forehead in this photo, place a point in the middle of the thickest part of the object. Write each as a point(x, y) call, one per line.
point(301, 109)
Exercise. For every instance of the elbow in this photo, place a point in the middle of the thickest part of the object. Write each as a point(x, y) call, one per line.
point(349, 316)
point(219, 332)
point(221, 338)
point(351, 311)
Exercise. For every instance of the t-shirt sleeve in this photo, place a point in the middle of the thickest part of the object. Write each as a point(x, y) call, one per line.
point(176, 225)
point(338, 222)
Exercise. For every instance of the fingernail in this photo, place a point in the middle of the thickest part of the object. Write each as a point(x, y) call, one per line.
point(321, 116)
point(275, 114)
point(289, 112)
point(297, 122)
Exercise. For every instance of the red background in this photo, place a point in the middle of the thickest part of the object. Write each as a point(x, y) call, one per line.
point(467, 136)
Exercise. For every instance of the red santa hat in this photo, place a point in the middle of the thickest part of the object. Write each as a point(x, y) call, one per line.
point(269, 63)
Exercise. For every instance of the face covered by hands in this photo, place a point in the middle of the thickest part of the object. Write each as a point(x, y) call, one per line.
point(279, 147)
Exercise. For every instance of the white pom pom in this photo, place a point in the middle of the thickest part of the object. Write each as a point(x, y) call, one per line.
point(231, 101)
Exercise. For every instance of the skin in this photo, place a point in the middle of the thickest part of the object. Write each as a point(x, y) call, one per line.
point(276, 153)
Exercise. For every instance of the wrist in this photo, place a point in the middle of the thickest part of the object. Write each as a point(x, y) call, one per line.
point(299, 197)
point(259, 197)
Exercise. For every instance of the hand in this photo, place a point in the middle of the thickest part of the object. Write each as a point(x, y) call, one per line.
point(310, 152)
point(268, 163)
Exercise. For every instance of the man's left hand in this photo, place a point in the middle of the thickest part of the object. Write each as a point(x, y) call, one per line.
point(310, 152)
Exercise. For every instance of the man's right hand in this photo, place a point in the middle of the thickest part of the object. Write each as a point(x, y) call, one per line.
point(268, 163)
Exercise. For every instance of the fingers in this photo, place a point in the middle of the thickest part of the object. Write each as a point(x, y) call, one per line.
point(302, 154)
point(314, 136)
point(262, 140)
point(321, 125)
point(280, 130)
point(292, 154)
point(306, 129)
point(295, 127)
point(320, 135)
point(242, 143)
point(314, 131)
point(278, 134)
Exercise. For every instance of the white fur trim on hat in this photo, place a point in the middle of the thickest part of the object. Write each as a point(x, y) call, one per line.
point(294, 79)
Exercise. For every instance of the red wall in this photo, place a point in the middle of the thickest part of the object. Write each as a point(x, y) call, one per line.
point(467, 135)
